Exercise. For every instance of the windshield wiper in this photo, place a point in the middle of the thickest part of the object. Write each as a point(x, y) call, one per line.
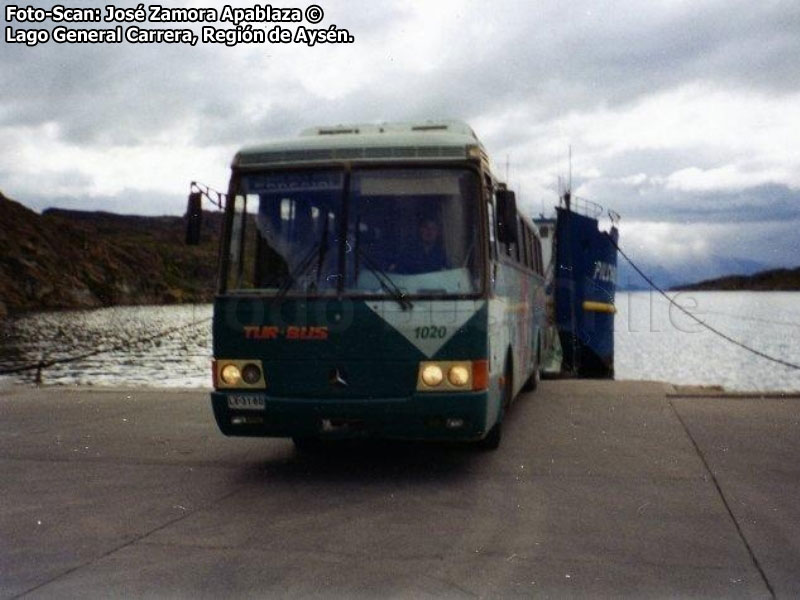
point(323, 249)
point(388, 286)
point(301, 270)
point(318, 252)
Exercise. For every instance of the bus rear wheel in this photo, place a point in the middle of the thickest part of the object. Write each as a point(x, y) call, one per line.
point(495, 435)
point(533, 381)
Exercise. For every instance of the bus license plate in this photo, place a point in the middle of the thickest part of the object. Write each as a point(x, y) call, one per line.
point(240, 402)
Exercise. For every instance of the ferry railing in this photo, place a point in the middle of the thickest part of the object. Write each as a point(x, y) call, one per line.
point(585, 207)
point(589, 208)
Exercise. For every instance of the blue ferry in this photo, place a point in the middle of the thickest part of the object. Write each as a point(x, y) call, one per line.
point(581, 274)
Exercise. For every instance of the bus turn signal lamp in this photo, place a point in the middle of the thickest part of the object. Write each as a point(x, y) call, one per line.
point(444, 376)
point(238, 374)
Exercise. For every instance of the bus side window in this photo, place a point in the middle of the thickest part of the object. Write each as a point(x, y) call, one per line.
point(502, 247)
point(531, 238)
point(492, 230)
point(542, 266)
point(538, 251)
point(528, 261)
point(514, 248)
point(524, 245)
point(534, 240)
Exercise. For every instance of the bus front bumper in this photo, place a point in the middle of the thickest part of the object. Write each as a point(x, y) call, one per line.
point(430, 416)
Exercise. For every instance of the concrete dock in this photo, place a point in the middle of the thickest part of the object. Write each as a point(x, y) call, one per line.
point(600, 489)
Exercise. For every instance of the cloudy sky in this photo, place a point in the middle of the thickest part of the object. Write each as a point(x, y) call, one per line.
point(682, 116)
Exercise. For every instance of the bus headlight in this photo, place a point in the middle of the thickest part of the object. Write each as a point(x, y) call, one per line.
point(462, 375)
point(432, 375)
point(251, 373)
point(230, 374)
point(458, 375)
point(239, 374)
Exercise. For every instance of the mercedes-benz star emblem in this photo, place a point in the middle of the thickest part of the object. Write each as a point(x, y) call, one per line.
point(336, 378)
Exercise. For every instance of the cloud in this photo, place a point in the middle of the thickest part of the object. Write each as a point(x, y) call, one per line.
point(640, 197)
point(411, 60)
point(680, 115)
point(727, 177)
point(671, 244)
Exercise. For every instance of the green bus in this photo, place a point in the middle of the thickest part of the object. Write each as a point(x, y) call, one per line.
point(375, 281)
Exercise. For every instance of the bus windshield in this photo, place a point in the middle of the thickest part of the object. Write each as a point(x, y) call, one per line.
point(416, 228)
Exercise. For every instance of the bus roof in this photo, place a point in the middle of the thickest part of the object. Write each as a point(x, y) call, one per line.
point(427, 140)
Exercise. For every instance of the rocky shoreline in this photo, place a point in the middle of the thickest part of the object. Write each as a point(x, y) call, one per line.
point(74, 259)
point(773, 280)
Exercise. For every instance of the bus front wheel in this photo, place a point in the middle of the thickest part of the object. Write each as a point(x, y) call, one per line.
point(495, 435)
point(492, 439)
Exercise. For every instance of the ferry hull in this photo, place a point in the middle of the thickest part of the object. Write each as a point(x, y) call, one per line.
point(585, 285)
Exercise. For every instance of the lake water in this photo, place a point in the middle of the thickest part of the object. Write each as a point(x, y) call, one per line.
point(653, 342)
point(658, 342)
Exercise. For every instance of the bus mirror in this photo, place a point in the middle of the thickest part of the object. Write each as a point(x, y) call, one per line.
point(194, 218)
point(507, 216)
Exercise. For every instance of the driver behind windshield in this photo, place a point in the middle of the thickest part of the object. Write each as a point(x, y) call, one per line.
point(427, 253)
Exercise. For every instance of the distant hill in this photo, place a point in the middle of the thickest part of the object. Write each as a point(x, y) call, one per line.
point(770, 280)
point(76, 259)
point(676, 276)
